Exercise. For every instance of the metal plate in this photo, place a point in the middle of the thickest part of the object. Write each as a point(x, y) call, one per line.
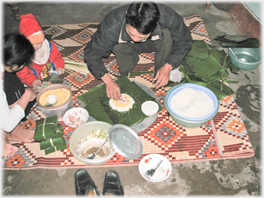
point(125, 141)
point(147, 122)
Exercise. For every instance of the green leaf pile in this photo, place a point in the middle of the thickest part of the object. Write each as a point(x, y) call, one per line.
point(205, 65)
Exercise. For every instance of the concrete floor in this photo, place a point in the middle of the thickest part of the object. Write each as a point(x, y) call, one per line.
point(236, 177)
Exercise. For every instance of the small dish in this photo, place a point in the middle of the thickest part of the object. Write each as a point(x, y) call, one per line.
point(52, 99)
point(75, 117)
point(150, 161)
point(149, 108)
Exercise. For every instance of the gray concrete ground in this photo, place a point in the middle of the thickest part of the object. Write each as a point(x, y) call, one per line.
point(236, 177)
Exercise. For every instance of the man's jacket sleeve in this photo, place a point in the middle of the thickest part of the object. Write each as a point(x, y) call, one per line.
point(182, 39)
point(101, 45)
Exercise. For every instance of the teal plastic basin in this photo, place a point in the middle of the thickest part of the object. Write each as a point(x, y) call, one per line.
point(252, 55)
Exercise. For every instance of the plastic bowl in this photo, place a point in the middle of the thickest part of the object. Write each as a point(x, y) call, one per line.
point(252, 55)
point(75, 117)
point(150, 161)
point(185, 121)
point(81, 133)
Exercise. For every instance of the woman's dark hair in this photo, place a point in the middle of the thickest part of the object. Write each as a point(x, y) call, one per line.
point(17, 50)
point(143, 16)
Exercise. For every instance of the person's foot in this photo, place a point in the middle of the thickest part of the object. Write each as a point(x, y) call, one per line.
point(19, 134)
point(112, 184)
point(9, 150)
point(84, 185)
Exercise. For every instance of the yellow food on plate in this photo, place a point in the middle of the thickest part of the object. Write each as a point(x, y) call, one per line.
point(62, 94)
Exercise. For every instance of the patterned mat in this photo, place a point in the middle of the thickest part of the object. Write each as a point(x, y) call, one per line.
point(224, 137)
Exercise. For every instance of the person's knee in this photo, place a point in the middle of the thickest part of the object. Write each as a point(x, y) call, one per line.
point(122, 48)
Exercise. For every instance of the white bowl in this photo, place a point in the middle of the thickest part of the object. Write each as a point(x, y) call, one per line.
point(81, 133)
point(75, 117)
point(149, 108)
point(150, 161)
point(52, 99)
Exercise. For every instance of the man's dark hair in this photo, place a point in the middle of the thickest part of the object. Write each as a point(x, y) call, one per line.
point(143, 16)
point(17, 50)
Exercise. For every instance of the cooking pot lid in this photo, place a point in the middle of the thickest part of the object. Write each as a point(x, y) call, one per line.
point(125, 141)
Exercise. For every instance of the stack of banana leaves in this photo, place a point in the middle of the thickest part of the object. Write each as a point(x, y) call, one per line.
point(205, 65)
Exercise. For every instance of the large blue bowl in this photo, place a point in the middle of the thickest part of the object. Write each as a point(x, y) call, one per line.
point(252, 55)
point(185, 121)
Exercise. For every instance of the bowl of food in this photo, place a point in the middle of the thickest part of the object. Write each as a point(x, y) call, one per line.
point(75, 117)
point(158, 162)
point(89, 135)
point(62, 93)
point(245, 58)
point(191, 105)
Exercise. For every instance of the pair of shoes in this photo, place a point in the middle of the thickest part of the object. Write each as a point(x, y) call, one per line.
point(84, 183)
point(112, 184)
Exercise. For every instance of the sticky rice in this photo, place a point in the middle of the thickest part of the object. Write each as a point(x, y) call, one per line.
point(191, 103)
point(125, 103)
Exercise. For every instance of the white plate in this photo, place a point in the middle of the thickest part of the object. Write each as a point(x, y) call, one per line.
point(150, 161)
point(81, 114)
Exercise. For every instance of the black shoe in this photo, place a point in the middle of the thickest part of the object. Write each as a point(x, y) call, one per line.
point(112, 184)
point(84, 183)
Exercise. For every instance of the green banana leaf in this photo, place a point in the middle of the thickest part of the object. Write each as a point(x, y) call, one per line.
point(199, 50)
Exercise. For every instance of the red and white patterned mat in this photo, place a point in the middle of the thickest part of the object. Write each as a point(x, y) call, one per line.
point(224, 137)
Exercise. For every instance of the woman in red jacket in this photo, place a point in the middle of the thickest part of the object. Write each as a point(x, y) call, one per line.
point(47, 57)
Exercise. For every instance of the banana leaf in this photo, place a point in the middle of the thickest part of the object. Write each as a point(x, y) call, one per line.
point(238, 41)
point(199, 50)
point(55, 148)
point(97, 103)
point(93, 106)
point(205, 68)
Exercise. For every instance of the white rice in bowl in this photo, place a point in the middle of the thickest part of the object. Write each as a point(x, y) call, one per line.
point(191, 103)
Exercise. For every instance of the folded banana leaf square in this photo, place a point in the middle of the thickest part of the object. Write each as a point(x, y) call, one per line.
point(55, 148)
point(54, 141)
point(46, 128)
point(97, 103)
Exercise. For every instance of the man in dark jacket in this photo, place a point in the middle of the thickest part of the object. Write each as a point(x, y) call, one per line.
point(133, 29)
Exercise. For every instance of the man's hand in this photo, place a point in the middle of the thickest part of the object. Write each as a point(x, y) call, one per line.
point(163, 75)
point(36, 83)
point(112, 89)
